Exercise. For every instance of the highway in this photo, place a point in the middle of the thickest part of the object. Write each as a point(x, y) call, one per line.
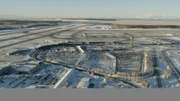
point(28, 34)
point(156, 71)
point(30, 30)
point(72, 37)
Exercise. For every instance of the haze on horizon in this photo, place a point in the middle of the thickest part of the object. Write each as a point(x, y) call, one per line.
point(90, 8)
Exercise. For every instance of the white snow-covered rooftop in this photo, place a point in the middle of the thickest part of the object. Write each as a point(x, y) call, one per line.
point(31, 87)
point(85, 79)
point(34, 62)
point(83, 84)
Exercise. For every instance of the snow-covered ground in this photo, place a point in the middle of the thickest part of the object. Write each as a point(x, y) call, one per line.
point(48, 74)
point(98, 61)
point(93, 60)
point(95, 80)
point(174, 55)
point(172, 80)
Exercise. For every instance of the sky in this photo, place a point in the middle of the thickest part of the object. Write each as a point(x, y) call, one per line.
point(90, 8)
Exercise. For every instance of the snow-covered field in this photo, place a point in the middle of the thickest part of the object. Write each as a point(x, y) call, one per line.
point(97, 60)
point(170, 82)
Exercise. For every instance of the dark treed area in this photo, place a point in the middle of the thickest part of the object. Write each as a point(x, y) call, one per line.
point(14, 24)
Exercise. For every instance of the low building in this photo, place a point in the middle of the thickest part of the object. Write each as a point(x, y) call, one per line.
point(84, 83)
point(43, 86)
point(85, 79)
point(80, 49)
point(31, 87)
point(13, 76)
point(24, 69)
point(27, 69)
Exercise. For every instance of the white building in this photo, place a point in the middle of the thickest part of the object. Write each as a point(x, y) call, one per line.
point(80, 49)
point(66, 78)
point(31, 87)
point(84, 83)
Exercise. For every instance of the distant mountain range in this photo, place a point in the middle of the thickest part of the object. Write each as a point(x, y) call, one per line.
point(148, 17)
